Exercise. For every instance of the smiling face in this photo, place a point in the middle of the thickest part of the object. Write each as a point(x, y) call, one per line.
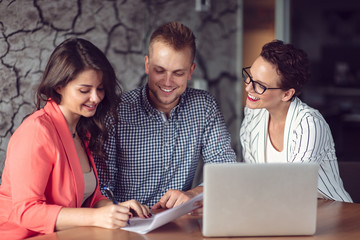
point(168, 72)
point(265, 73)
point(81, 96)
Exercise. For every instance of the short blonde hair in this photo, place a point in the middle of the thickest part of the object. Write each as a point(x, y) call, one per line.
point(176, 35)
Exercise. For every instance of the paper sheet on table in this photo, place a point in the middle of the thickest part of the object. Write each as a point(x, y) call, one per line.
point(144, 226)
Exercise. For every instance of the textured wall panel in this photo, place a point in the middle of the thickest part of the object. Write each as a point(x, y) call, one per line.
point(29, 31)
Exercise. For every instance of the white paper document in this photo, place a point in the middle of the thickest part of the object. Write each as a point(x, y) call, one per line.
point(143, 226)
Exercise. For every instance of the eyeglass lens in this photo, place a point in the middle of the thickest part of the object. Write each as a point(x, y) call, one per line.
point(258, 88)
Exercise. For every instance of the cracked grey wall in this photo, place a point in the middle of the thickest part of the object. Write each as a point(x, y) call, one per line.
point(31, 29)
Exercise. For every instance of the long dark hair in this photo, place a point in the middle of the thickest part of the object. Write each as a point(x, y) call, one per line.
point(70, 58)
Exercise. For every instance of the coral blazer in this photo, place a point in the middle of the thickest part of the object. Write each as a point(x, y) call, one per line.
point(42, 174)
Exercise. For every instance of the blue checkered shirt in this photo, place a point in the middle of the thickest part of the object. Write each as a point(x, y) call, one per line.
point(149, 154)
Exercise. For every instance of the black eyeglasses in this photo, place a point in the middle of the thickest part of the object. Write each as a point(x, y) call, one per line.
point(258, 87)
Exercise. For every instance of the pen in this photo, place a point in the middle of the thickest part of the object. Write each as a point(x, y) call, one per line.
point(112, 198)
point(110, 195)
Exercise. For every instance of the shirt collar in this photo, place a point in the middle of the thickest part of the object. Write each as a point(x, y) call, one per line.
point(150, 110)
point(145, 101)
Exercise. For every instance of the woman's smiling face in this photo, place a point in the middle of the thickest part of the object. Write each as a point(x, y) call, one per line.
point(81, 96)
point(265, 73)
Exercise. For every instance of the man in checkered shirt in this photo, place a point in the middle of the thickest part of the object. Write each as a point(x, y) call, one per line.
point(164, 128)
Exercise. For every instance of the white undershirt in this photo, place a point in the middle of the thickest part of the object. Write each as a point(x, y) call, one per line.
point(273, 155)
point(90, 184)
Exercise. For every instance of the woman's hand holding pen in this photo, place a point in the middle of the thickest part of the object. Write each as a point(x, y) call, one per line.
point(134, 206)
point(111, 216)
point(140, 210)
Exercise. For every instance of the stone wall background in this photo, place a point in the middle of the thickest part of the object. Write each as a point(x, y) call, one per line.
point(31, 29)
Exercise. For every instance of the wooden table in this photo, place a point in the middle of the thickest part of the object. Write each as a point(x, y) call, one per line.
point(335, 220)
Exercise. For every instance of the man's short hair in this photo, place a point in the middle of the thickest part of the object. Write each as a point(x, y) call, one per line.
point(176, 35)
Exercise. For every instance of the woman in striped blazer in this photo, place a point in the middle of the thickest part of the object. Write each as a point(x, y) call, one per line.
point(278, 126)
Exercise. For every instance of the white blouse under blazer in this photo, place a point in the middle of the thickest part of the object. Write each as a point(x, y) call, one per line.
point(307, 138)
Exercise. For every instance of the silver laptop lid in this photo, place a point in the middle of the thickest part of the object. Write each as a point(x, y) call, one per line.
point(260, 199)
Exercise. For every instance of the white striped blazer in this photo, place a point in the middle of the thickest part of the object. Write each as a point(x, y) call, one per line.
point(307, 138)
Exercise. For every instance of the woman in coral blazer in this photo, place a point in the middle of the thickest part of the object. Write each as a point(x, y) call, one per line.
point(49, 181)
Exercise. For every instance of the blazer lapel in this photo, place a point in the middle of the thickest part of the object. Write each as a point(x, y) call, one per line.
point(289, 126)
point(261, 144)
point(69, 147)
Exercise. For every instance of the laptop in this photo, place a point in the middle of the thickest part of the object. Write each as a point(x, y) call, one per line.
point(273, 199)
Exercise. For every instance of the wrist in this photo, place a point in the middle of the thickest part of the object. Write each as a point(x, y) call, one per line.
point(93, 218)
point(195, 191)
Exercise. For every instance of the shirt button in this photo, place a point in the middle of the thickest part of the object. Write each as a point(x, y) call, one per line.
point(164, 189)
point(166, 167)
point(166, 144)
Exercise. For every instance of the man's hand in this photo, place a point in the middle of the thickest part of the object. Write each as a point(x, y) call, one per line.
point(173, 198)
